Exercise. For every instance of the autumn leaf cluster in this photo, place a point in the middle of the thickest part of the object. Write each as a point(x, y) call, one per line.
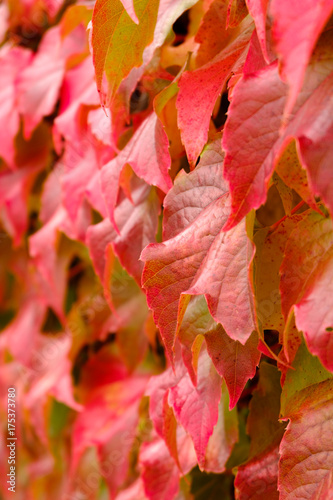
point(166, 271)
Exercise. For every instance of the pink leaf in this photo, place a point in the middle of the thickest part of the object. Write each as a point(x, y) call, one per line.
point(180, 206)
point(258, 9)
point(39, 84)
point(137, 222)
point(21, 334)
point(196, 408)
point(157, 386)
point(80, 169)
point(147, 153)
point(13, 62)
point(160, 473)
point(223, 439)
point(296, 28)
point(52, 371)
point(14, 192)
point(108, 416)
point(78, 89)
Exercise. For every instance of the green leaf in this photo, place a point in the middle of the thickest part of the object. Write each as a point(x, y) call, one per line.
point(307, 372)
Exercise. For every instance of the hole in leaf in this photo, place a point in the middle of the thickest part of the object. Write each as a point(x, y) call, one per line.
point(180, 28)
point(80, 360)
point(52, 323)
point(198, 161)
point(208, 486)
point(184, 164)
point(98, 344)
point(221, 116)
point(139, 101)
point(271, 337)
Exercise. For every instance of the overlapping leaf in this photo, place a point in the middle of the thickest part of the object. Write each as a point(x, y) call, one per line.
point(306, 277)
point(306, 450)
point(256, 112)
point(178, 267)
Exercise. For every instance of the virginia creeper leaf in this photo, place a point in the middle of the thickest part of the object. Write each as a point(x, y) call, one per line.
point(13, 61)
point(270, 245)
point(38, 100)
point(260, 98)
point(296, 29)
point(306, 449)
point(235, 362)
point(206, 84)
point(196, 408)
point(137, 222)
point(258, 9)
point(151, 162)
point(257, 479)
point(176, 267)
point(118, 42)
point(212, 34)
point(224, 437)
point(95, 427)
point(306, 274)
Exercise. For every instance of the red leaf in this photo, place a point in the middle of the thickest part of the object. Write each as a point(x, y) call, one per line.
point(257, 99)
point(206, 84)
point(257, 479)
point(316, 141)
point(256, 111)
point(178, 266)
point(235, 362)
point(306, 451)
point(306, 282)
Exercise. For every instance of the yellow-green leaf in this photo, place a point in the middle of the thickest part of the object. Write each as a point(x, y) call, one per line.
point(118, 42)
